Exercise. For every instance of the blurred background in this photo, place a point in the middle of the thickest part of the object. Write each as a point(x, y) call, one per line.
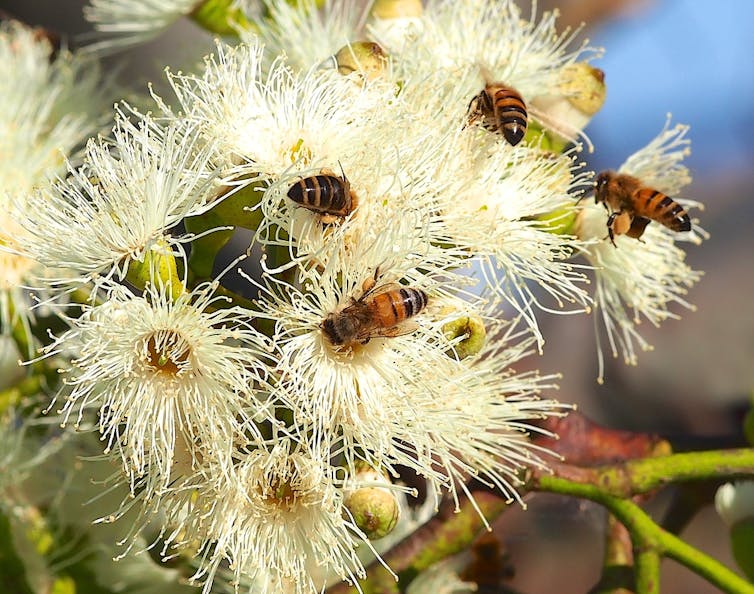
point(694, 60)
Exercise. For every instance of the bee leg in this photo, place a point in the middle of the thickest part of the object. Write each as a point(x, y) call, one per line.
point(610, 223)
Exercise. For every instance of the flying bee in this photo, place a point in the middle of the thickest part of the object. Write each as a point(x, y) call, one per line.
point(379, 312)
point(501, 109)
point(633, 206)
point(327, 194)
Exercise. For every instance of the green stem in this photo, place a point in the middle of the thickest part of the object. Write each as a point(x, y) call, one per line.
point(647, 571)
point(648, 536)
point(643, 475)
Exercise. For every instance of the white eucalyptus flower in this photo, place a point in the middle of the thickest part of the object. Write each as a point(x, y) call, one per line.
point(481, 422)
point(278, 520)
point(122, 203)
point(49, 104)
point(637, 279)
point(163, 367)
point(504, 205)
point(491, 39)
point(405, 398)
point(309, 36)
point(284, 126)
point(279, 120)
point(131, 22)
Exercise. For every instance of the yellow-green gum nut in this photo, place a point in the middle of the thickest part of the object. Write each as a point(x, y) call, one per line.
point(366, 57)
point(221, 17)
point(474, 331)
point(742, 544)
point(581, 93)
point(374, 509)
point(584, 87)
point(158, 269)
point(396, 9)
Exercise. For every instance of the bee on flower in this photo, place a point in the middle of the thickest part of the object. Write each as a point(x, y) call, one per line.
point(330, 160)
point(368, 370)
point(509, 57)
point(641, 276)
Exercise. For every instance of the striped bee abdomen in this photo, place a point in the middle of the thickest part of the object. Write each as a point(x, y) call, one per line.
point(324, 193)
point(661, 208)
point(510, 113)
point(393, 307)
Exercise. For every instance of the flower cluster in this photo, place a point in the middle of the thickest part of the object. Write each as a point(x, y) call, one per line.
point(50, 102)
point(414, 208)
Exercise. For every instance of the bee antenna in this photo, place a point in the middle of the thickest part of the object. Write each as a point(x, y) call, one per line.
point(341, 169)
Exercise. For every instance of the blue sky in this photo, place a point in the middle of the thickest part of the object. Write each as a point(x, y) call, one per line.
point(689, 57)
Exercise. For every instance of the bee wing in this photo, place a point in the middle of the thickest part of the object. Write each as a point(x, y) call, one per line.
point(378, 289)
point(400, 330)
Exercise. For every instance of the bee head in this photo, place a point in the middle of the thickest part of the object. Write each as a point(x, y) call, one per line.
point(339, 329)
point(600, 185)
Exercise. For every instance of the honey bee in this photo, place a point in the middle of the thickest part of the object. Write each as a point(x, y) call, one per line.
point(633, 206)
point(379, 312)
point(501, 109)
point(327, 194)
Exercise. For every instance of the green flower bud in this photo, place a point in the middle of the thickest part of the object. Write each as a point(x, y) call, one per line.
point(63, 585)
point(584, 87)
point(374, 509)
point(221, 17)
point(158, 269)
point(473, 331)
